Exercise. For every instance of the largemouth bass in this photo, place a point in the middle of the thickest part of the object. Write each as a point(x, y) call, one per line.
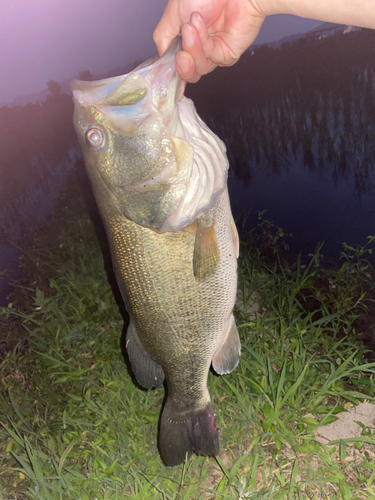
point(159, 175)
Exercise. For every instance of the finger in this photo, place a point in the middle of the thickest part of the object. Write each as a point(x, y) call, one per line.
point(192, 44)
point(182, 89)
point(167, 29)
point(163, 35)
point(213, 46)
point(186, 67)
point(213, 50)
point(192, 56)
point(206, 40)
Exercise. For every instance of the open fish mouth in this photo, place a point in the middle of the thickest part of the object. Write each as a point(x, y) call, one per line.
point(152, 86)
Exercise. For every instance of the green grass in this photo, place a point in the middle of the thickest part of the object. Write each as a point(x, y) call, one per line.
point(75, 426)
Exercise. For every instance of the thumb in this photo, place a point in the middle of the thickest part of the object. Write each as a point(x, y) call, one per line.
point(167, 29)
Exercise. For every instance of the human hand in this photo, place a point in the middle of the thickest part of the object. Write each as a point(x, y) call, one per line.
point(217, 32)
point(214, 33)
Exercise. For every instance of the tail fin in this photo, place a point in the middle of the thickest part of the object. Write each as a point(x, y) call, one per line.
point(181, 434)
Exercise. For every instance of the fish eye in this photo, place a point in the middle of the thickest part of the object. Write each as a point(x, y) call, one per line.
point(94, 138)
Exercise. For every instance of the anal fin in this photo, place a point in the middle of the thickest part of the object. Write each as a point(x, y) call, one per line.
point(148, 373)
point(227, 357)
point(206, 250)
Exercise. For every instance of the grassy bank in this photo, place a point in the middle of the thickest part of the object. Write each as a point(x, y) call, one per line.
point(75, 426)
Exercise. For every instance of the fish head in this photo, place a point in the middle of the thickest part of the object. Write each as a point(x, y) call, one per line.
point(147, 153)
point(125, 128)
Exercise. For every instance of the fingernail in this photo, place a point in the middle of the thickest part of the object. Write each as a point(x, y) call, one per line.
point(195, 19)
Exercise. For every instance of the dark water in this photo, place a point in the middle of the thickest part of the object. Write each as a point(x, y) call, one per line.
point(314, 174)
point(299, 126)
point(310, 164)
point(309, 205)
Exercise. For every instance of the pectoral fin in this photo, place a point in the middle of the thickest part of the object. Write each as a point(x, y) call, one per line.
point(227, 357)
point(206, 250)
point(147, 372)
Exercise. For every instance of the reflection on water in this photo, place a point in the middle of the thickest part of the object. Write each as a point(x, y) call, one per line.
point(301, 139)
point(307, 204)
point(321, 131)
point(312, 165)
